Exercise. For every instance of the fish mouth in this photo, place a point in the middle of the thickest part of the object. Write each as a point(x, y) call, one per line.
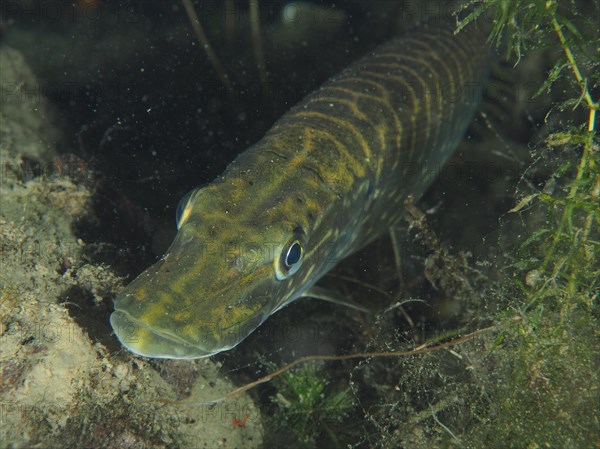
point(141, 339)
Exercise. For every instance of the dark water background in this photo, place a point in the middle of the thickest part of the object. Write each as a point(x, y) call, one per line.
point(145, 109)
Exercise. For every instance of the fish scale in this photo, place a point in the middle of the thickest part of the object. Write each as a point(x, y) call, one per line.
point(330, 176)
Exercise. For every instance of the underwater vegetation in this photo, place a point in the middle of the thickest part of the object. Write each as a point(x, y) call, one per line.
point(307, 406)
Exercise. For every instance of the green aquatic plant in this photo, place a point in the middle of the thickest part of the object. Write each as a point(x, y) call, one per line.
point(549, 388)
point(537, 23)
point(309, 408)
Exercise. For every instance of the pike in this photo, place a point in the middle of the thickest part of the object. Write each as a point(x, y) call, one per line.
point(330, 176)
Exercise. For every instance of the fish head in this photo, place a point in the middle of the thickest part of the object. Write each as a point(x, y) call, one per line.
point(224, 274)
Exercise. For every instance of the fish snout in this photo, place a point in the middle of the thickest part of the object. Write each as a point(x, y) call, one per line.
point(154, 323)
point(140, 338)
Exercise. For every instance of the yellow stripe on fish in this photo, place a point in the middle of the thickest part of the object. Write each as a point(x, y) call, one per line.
point(329, 177)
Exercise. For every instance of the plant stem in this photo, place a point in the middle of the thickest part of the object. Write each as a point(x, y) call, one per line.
point(586, 157)
point(580, 79)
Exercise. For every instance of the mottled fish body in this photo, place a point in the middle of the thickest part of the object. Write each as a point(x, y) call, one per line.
point(330, 176)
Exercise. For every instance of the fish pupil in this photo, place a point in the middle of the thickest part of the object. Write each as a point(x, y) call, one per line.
point(294, 254)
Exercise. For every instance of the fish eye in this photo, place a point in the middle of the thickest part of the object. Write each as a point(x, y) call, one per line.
point(291, 256)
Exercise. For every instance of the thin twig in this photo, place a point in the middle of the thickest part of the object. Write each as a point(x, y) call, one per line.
point(422, 349)
point(212, 56)
point(257, 44)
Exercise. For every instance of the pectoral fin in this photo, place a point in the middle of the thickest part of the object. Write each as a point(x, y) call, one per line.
point(332, 296)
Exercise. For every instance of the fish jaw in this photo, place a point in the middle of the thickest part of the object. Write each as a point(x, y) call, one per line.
point(151, 330)
point(141, 339)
